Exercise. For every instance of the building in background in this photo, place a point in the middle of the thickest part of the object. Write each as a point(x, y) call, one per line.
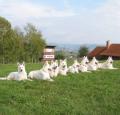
point(105, 51)
point(49, 53)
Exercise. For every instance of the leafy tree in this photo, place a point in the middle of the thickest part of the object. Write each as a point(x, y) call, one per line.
point(83, 51)
point(5, 36)
point(4, 24)
point(60, 55)
point(34, 41)
point(18, 49)
point(19, 45)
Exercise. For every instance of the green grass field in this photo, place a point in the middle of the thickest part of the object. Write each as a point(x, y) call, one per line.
point(96, 93)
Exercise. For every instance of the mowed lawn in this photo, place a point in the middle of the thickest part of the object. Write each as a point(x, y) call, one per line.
point(96, 93)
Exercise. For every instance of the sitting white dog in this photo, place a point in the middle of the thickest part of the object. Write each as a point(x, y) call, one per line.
point(93, 65)
point(74, 68)
point(83, 64)
point(55, 68)
point(43, 74)
point(63, 67)
point(20, 75)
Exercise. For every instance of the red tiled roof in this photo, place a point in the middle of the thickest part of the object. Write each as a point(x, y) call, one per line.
point(113, 50)
point(96, 52)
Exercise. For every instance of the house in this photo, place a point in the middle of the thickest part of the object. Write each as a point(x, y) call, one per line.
point(105, 51)
point(49, 53)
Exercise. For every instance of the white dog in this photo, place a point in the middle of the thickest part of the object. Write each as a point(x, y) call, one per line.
point(93, 65)
point(55, 68)
point(83, 64)
point(63, 67)
point(74, 68)
point(108, 64)
point(20, 75)
point(43, 74)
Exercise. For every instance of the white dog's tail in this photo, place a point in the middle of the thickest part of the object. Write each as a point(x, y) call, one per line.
point(28, 79)
point(3, 78)
point(114, 68)
point(50, 80)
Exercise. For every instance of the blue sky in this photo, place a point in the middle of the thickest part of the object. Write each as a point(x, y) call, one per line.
point(74, 3)
point(67, 21)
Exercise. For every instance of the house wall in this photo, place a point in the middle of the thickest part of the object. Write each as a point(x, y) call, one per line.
point(49, 54)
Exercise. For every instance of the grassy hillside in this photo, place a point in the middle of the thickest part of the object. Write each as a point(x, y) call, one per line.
point(96, 93)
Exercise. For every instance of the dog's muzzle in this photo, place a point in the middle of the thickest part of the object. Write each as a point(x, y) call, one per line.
point(96, 63)
point(64, 66)
point(77, 66)
point(49, 69)
point(54, 67)
point(21, 70)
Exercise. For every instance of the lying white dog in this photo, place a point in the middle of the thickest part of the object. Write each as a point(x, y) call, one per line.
point(43, 74)
point(108, 64)
point(63, 67)
point(20, 75)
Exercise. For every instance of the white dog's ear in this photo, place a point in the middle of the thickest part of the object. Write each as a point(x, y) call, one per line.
point(45, 62)
point(52, 61)
point(18, 63)
point(56, 61)
point(23, 63)
point(65, 60)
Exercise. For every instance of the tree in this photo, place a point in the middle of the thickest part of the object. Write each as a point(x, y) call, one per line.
point(5, 36)
point(34, 42)
point(19, 53)
point(30, 43)
point(20, 45)
point(60, 55)
point(83, 51)
point(4, 24)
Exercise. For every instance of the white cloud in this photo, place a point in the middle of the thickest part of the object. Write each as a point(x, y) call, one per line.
point(67, 25)
point(28, 9)
point(93, 26)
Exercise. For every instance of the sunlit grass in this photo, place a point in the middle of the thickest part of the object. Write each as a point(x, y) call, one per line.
point(96, 93)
